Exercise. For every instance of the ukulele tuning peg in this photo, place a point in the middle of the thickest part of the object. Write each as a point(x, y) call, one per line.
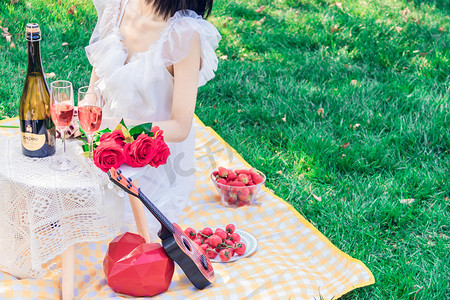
point(121, 194)
point(119, 171)
point(110, 185)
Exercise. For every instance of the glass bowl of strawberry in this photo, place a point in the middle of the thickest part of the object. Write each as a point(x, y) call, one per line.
point(238, 187)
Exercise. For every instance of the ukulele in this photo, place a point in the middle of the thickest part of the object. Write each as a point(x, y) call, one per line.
point(178, 246)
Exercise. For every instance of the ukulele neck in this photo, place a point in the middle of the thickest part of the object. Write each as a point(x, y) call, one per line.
point(167, 228)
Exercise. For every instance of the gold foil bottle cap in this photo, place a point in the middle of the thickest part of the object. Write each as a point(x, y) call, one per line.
point(33, 32)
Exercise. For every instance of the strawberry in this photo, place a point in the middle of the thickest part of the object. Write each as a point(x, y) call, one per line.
point(243, 203)
point(243, 178)
point(222, 181)
point(235, 190)
point(231, 175)
point(224, 188)
point(242, 171)
point(215, 174)
point(250, 182)
point(231, 178)
point(190, 233)
point(240, 248)
point(252, 173)
point(198, 241)
point(243, 194)
point(221, 233)
point(223, 172)
point(230, 228)
point(225, 254)
point(231, 199)
point(256, 178)
point(236, 183)
point(214, 240)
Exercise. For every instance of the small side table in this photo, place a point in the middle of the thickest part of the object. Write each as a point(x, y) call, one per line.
point(68, 259)
point(68, 256)
point(20, 210)
point(45, 213)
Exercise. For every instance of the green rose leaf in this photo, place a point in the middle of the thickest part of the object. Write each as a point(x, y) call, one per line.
point(95, 142)
point(123, 124)
point(98, 134)
point(142, 128)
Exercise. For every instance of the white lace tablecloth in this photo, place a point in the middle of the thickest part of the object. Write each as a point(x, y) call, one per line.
point(43, 211)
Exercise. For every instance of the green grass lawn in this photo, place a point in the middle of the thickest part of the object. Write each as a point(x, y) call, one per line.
point(344, 107)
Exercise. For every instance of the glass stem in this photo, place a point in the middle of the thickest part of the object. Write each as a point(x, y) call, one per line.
point(90, 142)
point(63, 137)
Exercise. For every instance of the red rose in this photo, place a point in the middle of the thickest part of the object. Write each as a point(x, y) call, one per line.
point(162, 153)
point(116, 135)
point(108, 154)
point(140, 152)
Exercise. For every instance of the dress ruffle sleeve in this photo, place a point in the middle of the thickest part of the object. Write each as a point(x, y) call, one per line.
point(106, 11)
point(181, 29)
point(105, 51)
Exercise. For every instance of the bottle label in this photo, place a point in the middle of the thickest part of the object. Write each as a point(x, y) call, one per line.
point(38, 140)
point(33, 142)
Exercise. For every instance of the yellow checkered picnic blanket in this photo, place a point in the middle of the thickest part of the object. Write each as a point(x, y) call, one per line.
point(293, 260)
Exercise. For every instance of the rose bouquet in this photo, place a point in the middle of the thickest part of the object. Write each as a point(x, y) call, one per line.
point(139, 146)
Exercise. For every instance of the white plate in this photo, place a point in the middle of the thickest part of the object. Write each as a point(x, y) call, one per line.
point(250, 242)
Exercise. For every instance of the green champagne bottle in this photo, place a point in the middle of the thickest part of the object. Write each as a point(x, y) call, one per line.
point(36, 126)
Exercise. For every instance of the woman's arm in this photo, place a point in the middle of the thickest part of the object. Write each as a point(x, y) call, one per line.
point(186, 74)
point(94, 77)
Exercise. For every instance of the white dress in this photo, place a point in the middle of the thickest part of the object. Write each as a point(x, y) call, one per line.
point(142, 89)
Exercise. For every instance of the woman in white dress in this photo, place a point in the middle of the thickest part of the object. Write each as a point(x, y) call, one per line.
point(149, 57)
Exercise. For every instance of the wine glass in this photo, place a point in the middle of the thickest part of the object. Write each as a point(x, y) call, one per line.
point(90, 106)
point(61, 110)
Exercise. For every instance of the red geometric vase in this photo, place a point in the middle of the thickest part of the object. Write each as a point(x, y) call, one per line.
point(136, 268)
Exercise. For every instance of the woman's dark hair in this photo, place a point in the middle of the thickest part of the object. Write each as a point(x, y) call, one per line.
point(168, 8)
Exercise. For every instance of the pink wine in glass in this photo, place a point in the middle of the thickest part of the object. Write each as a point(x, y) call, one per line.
point(62, 114)
point(90, 118)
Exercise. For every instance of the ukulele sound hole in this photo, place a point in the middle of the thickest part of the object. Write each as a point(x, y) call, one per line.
point(186, 244)
point(204, 263)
